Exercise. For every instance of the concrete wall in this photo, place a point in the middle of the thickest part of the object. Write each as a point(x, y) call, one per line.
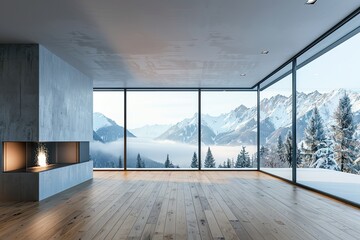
point(42, 98)
point(19, 92)
point(1, 158)
point(65, 101)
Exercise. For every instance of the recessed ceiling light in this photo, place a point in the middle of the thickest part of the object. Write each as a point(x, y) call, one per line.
point(311, 1)
point(242, 74)
point(265, 52)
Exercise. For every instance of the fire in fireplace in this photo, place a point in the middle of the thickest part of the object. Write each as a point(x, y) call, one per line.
point(39, 156)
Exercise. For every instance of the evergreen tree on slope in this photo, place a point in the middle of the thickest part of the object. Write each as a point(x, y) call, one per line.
point(167, 162)
point(280, 149)
point(343, 131)
point(194, 161)
point(139, 162)
point(228, 163)
point(209, 160)
point(243, 159)
point(288, 148)
point(325, 156)
point(264, 156)
point(120, 162)
point(314, 137)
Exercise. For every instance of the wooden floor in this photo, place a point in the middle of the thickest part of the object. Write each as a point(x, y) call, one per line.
point(182, 205)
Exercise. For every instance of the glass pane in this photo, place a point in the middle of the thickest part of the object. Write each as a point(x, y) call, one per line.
point(162, 129)
point(328, 117)
point(275, 128)
point(107, 147)
point(228, 129)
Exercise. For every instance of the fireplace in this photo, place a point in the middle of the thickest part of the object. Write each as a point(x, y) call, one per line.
point(39, 156)
point(45, 124)
point(33, 171)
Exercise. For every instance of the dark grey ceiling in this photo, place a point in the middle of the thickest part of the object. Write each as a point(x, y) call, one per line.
point(171, 43)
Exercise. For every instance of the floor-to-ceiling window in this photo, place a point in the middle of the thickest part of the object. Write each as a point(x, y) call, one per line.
point(276, 128)
point(328, 117)
point(162, 129)
point(162, 126)
point(107, 147)
point(228, 129)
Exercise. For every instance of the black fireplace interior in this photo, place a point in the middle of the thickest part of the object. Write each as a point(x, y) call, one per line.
point(42, 156)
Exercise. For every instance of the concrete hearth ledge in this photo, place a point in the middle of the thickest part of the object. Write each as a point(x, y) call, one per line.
point(37, 186)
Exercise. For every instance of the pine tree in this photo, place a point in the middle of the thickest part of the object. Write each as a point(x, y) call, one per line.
point(325, 156)
point(314, 136)
point(238, 162)
point(288, 148)
point(243, 159)
point(343, 131)
point(228, 163)
point(209, 160)
point(120, 162)
point(111, 164)
point(167, 162)
point(194, 161)
point(302, 155)
point(139, 162)
point(264, 155)
point(280, 149)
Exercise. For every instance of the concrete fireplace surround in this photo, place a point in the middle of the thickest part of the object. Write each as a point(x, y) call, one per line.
point(43, 99)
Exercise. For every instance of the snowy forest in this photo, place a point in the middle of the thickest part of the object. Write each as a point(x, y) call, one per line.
point(243, 160)
point(334, 146)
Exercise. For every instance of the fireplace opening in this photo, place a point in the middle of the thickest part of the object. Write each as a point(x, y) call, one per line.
point(39, 156)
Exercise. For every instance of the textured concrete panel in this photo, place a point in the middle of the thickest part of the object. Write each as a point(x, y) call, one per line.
point(19, 91)
point(19, 187)
point(57, 180)
point(22, 186)
point(1, 159)
point(65, 101)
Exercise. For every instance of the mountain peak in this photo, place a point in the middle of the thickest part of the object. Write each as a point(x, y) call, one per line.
point(241, 108)
point(100, 120)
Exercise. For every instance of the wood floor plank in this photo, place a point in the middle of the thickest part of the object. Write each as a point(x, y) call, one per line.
point(182, 205)
point(170, 227)
point(309, 214)
point(199, 210)
point(191, 220)
point(180, 224)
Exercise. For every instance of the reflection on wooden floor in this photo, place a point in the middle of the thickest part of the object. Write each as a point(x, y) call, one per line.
point(181, 205)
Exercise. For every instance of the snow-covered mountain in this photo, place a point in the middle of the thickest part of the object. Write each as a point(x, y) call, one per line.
point(150, 131)
point(100, 121)
point(239, 125)
point(276, 112)
point(236, 127)
point(107, 130)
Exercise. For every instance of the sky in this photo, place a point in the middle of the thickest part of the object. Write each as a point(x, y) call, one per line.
point(111, 104)
point(159, 107)
point(338, 68)
point(167, 107)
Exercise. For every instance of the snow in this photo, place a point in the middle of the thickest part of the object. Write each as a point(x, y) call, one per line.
point(340, 184)
point(99, 121)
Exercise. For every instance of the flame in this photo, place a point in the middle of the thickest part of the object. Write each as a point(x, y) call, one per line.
point(41, 156)
point(41, 159)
